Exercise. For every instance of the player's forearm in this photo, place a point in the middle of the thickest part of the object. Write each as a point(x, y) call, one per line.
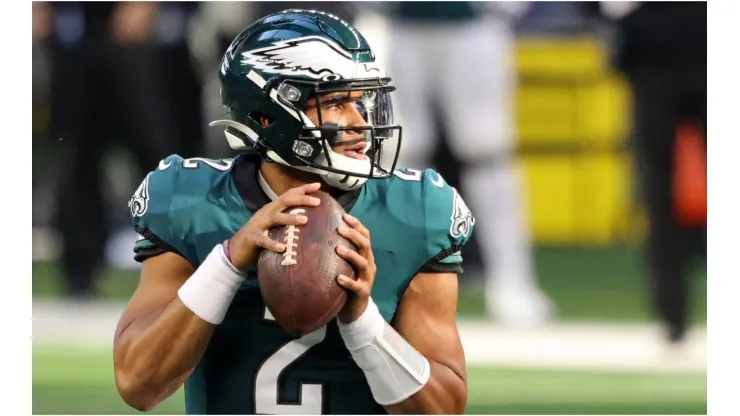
point(154, 358)
point(445, 393)
point(400, 377)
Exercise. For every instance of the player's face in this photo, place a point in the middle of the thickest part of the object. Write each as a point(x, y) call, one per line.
point(345, 109)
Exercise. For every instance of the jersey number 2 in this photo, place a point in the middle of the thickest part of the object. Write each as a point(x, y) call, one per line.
point(267, 385)
point(194, 163)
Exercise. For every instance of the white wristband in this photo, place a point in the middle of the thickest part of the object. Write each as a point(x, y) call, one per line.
point(394, 369)
point(210, 290)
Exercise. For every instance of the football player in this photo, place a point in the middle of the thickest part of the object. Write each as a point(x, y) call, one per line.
point(308, 109)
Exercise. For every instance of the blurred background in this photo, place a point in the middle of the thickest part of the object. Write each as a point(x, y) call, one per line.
point(574, 130)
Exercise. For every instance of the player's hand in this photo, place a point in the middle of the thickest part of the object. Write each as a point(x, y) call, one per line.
point(244, 246)
point(363, 262)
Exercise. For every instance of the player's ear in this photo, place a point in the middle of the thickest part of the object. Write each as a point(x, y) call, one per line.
point(264, 121)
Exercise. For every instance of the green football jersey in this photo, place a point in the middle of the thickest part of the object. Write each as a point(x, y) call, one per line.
point(417, 223)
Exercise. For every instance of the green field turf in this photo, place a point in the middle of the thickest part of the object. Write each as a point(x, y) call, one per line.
point(80, 381)
point(585, 284)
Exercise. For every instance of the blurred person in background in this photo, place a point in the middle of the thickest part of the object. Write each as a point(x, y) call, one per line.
point(458, 57)
point(180, 80)
point(180, 86)
point(662, 50)
point(42, 182)
point(105, 92)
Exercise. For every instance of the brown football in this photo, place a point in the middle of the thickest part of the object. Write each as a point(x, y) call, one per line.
point(299, 286)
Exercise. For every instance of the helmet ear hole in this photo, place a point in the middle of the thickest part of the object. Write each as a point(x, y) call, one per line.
point(261, 119)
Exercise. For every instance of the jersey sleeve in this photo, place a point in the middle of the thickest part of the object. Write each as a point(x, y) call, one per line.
point(151, 211)
point(145, 248)
point(449, 224)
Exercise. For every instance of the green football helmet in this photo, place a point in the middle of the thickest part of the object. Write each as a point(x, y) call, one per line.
point(270, 71)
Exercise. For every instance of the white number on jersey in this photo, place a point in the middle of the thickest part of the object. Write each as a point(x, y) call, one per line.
point(266, 383)
point(194, 162)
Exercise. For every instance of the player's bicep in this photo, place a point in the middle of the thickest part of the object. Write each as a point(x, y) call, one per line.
point(160, 279)
point(426, 318)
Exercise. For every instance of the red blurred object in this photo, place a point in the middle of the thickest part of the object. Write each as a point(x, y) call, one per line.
point(690, 175)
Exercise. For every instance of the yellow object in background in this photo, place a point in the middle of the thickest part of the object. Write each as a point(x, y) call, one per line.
point(572, 122)
point(550, 185)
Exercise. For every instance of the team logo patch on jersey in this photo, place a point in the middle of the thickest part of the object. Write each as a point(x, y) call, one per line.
point(139, 203)
point(462, 219)
point(309, 56)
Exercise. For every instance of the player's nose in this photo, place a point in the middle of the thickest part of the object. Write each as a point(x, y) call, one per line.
point(355, 118)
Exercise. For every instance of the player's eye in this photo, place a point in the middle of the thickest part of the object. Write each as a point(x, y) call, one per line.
point(337, 107)
point(335, 104)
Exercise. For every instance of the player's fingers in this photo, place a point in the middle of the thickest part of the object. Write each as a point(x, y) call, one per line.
point(283, 218)
point(362, 242)
point(357, 225)
point(296, 200)
point(305, 189)
point(350, 284)
point(361, 263)
point(264, 241)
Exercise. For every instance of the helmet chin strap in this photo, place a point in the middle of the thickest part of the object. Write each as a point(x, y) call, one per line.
point(341, 181)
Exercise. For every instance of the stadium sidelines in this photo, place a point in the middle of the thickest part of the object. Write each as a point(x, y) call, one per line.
point(572, 346)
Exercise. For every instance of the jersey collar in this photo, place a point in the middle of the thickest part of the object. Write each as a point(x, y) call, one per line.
point(265, 187)
point(255, 192)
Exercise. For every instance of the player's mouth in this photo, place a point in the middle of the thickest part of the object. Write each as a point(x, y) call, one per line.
point(355, 150)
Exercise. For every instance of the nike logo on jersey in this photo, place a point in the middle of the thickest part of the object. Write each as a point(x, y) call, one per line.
point(163, 166)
